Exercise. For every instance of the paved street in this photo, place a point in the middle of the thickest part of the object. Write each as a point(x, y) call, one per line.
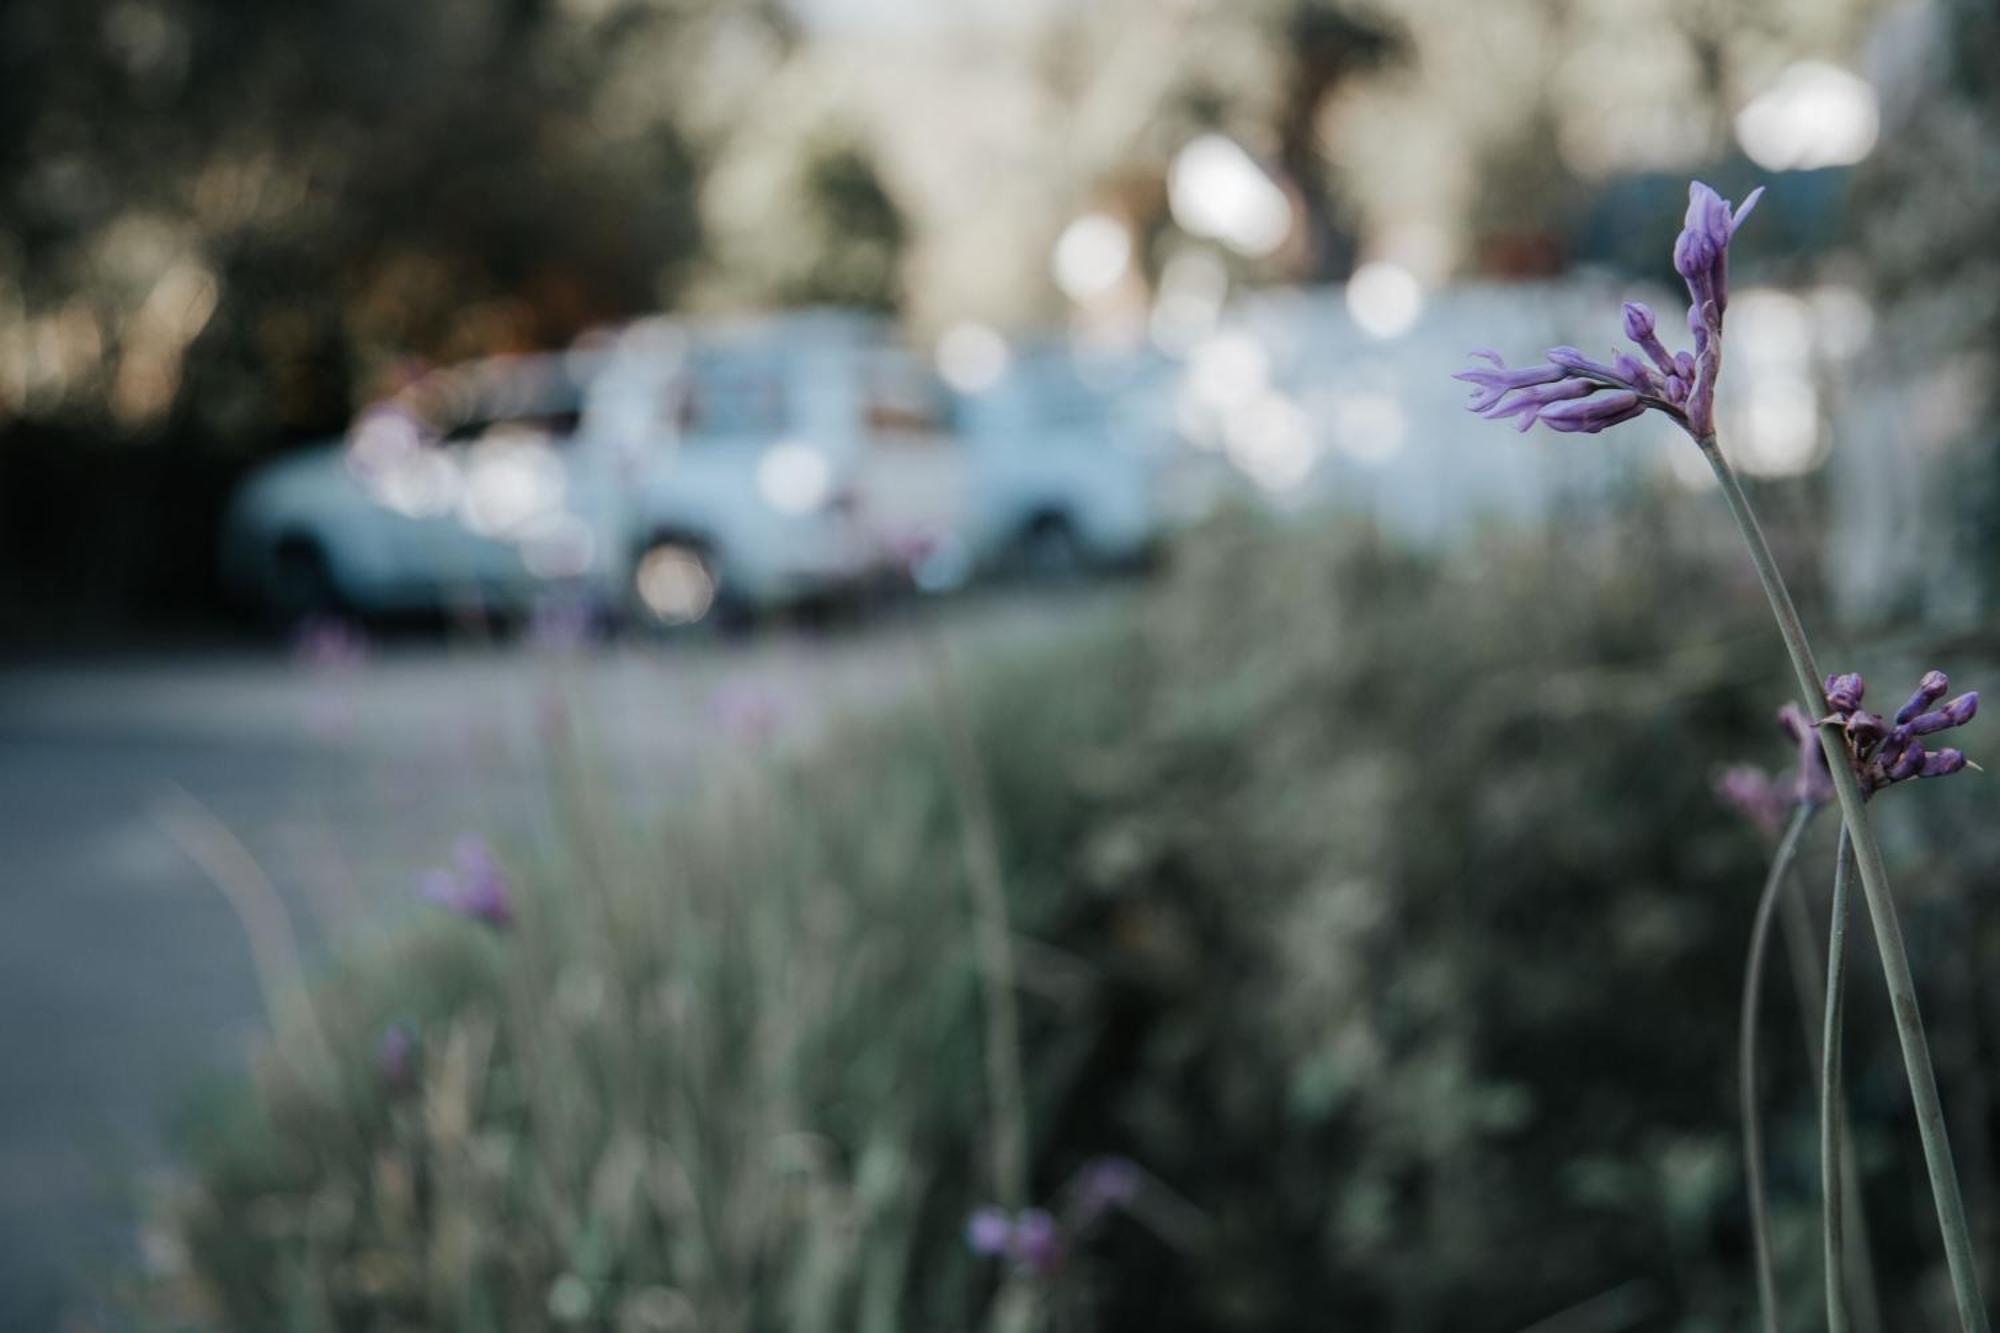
point(124, 974)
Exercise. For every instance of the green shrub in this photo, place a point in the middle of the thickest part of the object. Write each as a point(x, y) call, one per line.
point(1374, 902)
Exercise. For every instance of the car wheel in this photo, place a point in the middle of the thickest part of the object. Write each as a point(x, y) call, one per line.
point(1050, 550)
point(677, 586)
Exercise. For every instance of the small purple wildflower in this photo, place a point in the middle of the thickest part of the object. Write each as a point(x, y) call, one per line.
point(1573, 393)
point(988, 1232)
point(1766, 801)
point(474, 887)
point(1036, 1245)
point(1104, 1184)
point(1750, 791)
point(1813, 784)
point(1884, 755)
point(396, 1057)
point(1030, 1239)
point(329, 644)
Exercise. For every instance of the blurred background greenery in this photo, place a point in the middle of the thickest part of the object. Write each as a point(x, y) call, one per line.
point(223, 227)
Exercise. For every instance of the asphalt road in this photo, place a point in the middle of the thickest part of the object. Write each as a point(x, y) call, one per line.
point(125, 978)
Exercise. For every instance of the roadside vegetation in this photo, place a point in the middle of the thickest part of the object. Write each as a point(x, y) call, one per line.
point(1374, 904)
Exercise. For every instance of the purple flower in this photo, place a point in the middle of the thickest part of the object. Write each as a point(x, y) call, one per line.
point(1843, 693)
point(1942, 764)
point(988, 1232)
point(1588, 416)
point(1036, 1245)
point(1750, 792)
point(1864, 728)
point(1104, 1184)
point(1030, 1239)
point(329, 644)
point(1813, 784)
point(396, 1057)
point(1954, 714)
point(474, 887)
point(1929, 690)
point(1884, 755)
point(1683, 387)
point(1490, 385)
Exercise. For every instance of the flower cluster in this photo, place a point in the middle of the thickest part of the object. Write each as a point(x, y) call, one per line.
point(1030, 1238)
point(1572, 392)
point(1766, 800)
point(1886, 752)
point(1033, 1239)
point(474, 887)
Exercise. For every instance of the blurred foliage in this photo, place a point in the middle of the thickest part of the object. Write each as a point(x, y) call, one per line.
point(1377, 903)
point(1929, 224)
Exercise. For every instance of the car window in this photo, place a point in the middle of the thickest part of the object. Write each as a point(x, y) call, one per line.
point(731, 397)
point(550, 427)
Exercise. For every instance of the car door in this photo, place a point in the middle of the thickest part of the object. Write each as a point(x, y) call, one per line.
point(914, 481)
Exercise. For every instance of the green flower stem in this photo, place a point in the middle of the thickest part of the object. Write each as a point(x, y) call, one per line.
point(1881, 909)
point(1746, 1054)
point(1809, 978)
point(1832, 1104)
point(993, 934)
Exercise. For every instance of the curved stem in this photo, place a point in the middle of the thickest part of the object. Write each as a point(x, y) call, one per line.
point(1746, 1065)
point(1809, 977)
point(1832, 1107)
point(1881, 910)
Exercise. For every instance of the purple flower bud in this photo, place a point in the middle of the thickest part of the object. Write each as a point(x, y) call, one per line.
point(474, 887)
point(1640, 329)
point(1489, 385)
point(1929, 690)
point(1677, 390)
point(1036, 1245)
point(1865, 729)
point(1526, 404)
point(1570, 359)
point(1954, 714)
point(1698, 327)
point(1591, 415)
point(1813, 784)
point(1633, 373)
point(988, 1232)
point(1684, 365)
point(395, 1057)
point(1942, 764)
point(1694, 255)
point(1748, 790)
point(1902, 757)
point(1843, 693)
point(1107, 1183)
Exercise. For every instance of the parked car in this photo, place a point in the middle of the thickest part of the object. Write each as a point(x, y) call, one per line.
point(666, 472)
point(510, 480)
point(1046, 469)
